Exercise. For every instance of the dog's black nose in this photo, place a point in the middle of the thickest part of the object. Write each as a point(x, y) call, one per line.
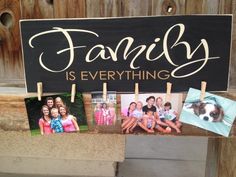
point(205, 118)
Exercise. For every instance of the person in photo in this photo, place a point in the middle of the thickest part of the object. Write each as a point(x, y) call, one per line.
point(148, 122)
point(127, 116)
point(112, 111)
point(160, 116)
point(137, 116)
point(45, 121)
point(59, 102)
point(105, 115)
point(56, 124)
point(171, 117)
point(150, 105)
point(160, 107)
point(98, 114)
point(49, 102)
point(68, 121)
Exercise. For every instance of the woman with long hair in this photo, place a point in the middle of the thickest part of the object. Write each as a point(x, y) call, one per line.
point(45, 121)
point(68, 121)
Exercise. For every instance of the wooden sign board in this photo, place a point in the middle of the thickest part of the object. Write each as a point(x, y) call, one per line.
point(151, 51)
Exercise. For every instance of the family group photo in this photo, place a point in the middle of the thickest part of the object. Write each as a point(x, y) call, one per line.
point(151, 113)
point(56, 114)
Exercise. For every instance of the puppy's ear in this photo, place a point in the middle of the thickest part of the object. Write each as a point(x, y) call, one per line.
point(196, 108)
point(220, 112)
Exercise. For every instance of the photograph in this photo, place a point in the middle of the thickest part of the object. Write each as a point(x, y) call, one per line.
point(152, 113)
point(104, 111)
point(56, 114)
point(214, 113)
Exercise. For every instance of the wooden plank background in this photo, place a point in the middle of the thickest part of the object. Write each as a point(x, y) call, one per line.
point(11, 11)
point(11, 63)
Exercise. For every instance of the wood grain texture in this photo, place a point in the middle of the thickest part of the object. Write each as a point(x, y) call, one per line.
point(69, 8)
point(36, 9)
point(210, 7)
point(232, 81)
point(136, 7)
point(103, 8)
point(13, 113)
point(212, 157)
point(225, 6)
point(157, 7)
point(11, 66)
point(193, 6)
point(227, 160)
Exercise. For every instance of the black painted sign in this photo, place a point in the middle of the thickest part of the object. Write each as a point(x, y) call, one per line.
point(183, 50)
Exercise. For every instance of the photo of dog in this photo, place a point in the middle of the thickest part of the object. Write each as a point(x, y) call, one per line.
point(207, 111)
point(214, 113)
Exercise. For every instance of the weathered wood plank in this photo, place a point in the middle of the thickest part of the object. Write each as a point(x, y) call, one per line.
point(161, 168)
point(225, 7)
point(227, 161)
point(69, 9)
point(80, 146)
point(159, 7)
point(36, 9)
point(11, 66)
point(212, 157)
point(194, 7)
point(210, 7)
point(136, 7)
point(232, 84)
point(103, 8)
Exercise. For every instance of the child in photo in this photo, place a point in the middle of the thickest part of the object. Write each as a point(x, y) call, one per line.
point(136, 117)
point(56, 124)
point(105, 115)
point(171, 117)
point(148, 122)
point(98, 114)
point(160, 107)
point(126, 115)
point(112, 111)
point(160, 120)
point(68, 121)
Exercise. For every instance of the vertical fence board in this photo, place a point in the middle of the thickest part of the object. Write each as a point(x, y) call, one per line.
point(225, 7)
point(210, 7)
point(157, 7)
point(136, 7)
point(69, 9)
point(194, 7)
point(103, 8)
point(232, 80)
point(11, 68)
point(227, 161)
point(36, 9)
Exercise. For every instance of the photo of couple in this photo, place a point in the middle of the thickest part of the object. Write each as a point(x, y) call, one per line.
point(150, 114)
point(104, 111)
point(56, 114)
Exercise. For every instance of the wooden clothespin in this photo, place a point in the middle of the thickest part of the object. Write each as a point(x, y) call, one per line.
point(203, 90)
point(168, 91)
point(136, 92)
point(40, 90)
point(104, 91)
point(73, 91)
